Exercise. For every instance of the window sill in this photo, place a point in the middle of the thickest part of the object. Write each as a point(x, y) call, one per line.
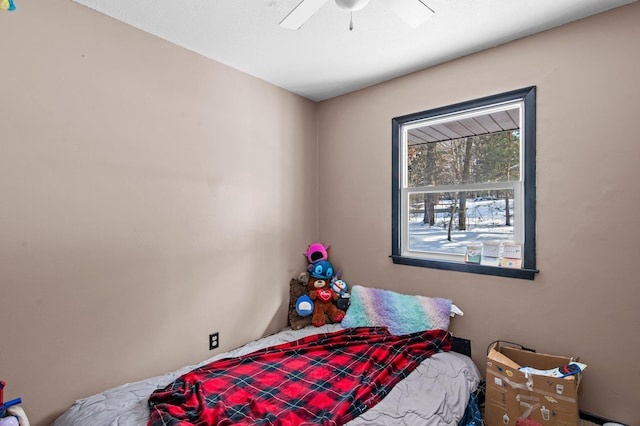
point(527, 274)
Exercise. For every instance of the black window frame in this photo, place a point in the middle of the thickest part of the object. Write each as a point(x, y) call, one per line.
point(528, 270)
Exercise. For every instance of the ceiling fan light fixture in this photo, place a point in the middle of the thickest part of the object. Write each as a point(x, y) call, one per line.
point(351, 5)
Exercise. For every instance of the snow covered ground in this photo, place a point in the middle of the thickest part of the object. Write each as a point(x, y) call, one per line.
point(485, 222)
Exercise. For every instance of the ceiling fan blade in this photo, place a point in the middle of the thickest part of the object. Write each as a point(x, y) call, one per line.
point(301, 14)
point(413, 12)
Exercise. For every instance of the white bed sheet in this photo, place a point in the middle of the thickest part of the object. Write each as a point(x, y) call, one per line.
point(436, 393)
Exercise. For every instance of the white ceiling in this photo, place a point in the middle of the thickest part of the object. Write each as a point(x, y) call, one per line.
point(324, 59)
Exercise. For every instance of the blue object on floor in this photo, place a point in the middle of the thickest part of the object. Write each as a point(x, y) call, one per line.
point(472, 415)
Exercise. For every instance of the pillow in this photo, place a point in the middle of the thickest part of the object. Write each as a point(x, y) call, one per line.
point(400, 313)
point(297, 288)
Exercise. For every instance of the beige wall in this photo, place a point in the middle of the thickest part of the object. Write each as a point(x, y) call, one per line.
point(585, 300)
point(149, 197)
point(146, 192)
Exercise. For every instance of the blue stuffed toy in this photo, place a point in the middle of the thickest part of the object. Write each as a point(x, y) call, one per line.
point(304, 306)
point(339, 286)
point(322, 269)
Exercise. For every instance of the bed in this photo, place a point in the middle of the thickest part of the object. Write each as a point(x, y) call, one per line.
point(417, 380)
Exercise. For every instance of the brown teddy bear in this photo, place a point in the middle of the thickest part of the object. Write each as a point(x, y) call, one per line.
point(323, 302)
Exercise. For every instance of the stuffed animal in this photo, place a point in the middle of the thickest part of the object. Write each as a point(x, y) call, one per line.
point(316, 252)
point(339, 286)
point(322, 269)
point(323, 302)
point(304, 306)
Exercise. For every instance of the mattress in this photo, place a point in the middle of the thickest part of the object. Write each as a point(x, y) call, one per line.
point(435, 393)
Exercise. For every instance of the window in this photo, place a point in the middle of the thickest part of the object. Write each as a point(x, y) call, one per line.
point(463, 177)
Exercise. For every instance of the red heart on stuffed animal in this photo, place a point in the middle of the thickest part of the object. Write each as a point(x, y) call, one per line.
point(324, 294)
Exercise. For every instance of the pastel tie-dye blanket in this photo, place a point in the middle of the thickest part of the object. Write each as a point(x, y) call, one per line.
point(400, 313)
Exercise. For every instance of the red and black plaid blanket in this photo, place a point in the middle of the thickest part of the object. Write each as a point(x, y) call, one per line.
point(324, 379)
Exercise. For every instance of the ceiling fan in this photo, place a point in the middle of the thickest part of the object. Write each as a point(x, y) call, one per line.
point(413, 12)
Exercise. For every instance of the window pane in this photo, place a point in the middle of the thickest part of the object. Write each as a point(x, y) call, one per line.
point(447, 222)
point(464, 174)
point(478, 159)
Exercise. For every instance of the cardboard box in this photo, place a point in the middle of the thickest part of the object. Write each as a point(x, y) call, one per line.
point(513, 395)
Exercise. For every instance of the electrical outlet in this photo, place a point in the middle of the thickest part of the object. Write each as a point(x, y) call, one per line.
point(213, 341)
